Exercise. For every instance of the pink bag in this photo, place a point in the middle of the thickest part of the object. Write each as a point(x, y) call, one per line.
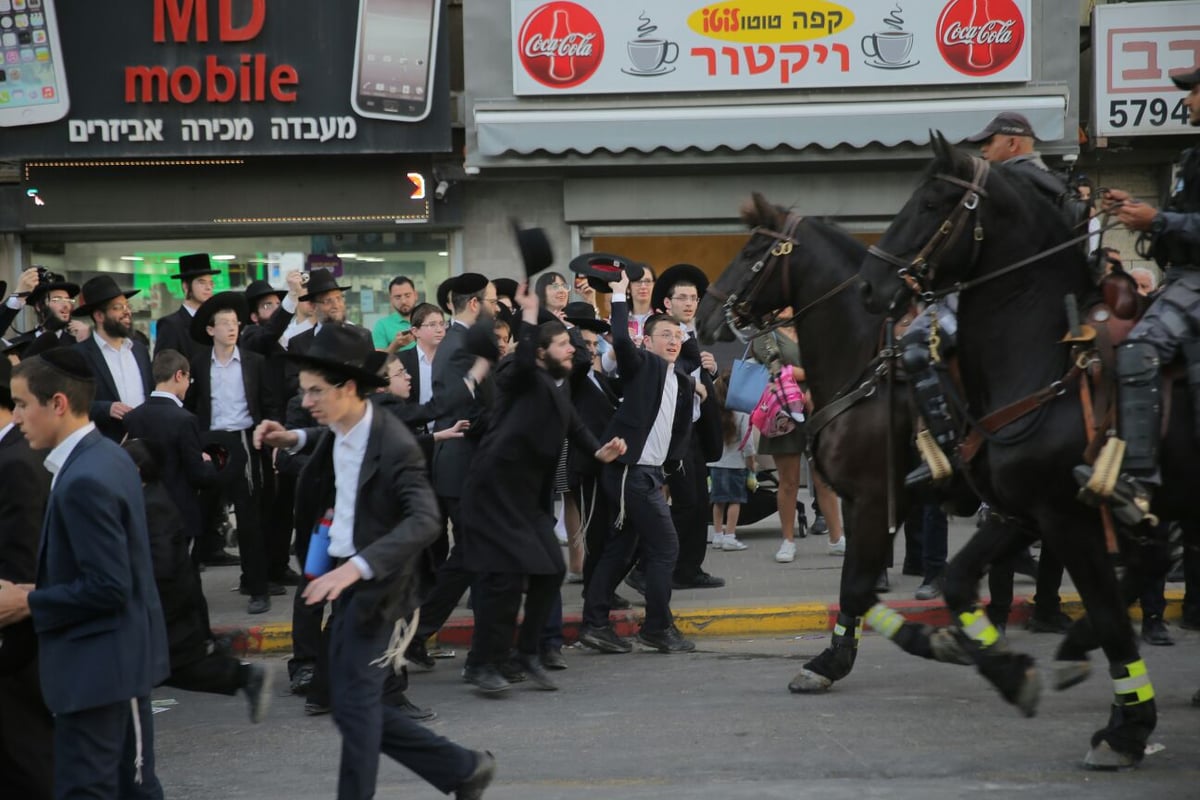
point(780, 408)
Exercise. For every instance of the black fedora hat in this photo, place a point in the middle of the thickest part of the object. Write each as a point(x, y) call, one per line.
point(680, 273)
point(601, 269)
point(256, 290)
point(443, 295)
point(97, 291)
point(320, 282)
point(583, 315)
point(222, 301)
point(195, 265)
point(506, 287)
point(481, 341)
point(338, 349)
point(42, 289)
point(536, 253)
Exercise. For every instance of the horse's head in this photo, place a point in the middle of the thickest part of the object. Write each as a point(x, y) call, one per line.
point(935, 239)
point(750, 292)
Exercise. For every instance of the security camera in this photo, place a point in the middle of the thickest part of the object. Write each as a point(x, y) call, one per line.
point(440, 190)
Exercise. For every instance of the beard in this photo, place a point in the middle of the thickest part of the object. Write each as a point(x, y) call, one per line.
point(556, 369)
point(117, 329)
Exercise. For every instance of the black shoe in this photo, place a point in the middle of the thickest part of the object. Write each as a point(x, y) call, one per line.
point(258, 691)
point(883, 585)
point(668, 641)
point(302, 681)
point(619, 603)
point(289, 578)
point(701, 580)
point(1057, 622)
point(479, 779)
point(1154, 631)
point(1196, 698)
point(413, 711)
point(486, 678)
point(1190, 622)
point(636, 581)
point(511, 670)
point(315, 708)
point(819, 527)
point(532, 665)
point(604, 640)
point(221, 558)
point(259, 604)
point(418, 656)
point(552, 658)
point(274, 589)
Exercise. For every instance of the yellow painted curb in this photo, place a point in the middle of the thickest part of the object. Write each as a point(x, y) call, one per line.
point(758, 620)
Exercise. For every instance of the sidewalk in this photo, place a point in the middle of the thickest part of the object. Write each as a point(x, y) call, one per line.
point(760, 597)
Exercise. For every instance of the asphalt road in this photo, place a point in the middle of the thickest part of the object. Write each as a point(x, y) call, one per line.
point(717, 724)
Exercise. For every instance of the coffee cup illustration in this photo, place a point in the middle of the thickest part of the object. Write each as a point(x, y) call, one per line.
point(889, 47)
point(649, 55)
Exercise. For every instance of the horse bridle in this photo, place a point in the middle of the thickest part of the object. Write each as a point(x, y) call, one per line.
point(918, 273)
point(737, 304)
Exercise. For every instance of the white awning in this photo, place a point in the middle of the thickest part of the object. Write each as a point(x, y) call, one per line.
point(737, 127)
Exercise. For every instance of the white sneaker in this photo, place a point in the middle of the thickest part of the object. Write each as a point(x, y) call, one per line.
point(838, 548)
point(786, 553)
point(718, 541)
point(731, 543)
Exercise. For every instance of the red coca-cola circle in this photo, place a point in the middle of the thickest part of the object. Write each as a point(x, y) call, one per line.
point(980, 37)
point(560, 44)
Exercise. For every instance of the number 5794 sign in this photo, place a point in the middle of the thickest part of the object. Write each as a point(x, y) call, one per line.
point(1138, 48)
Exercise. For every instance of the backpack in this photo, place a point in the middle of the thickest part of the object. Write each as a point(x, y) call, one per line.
point(780, 408)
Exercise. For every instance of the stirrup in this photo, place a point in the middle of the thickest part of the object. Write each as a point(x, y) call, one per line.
point(934, 458)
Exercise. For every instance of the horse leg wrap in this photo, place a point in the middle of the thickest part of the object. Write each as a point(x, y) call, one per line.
point(1013, 674)
point(834, 663)
point(911, 637)
point(1122, 743)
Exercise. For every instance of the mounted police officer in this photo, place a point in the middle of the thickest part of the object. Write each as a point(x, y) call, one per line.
point(1171, 325)
point(1006, 141)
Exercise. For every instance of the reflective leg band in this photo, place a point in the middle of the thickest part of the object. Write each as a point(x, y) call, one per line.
point(841, 630)
point(978, 627)
point(1135, 688)
point(884, 620)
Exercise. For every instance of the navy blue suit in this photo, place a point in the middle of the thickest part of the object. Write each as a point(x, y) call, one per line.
point(99, 623)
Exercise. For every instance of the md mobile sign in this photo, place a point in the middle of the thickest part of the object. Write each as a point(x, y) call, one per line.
point(222, 78)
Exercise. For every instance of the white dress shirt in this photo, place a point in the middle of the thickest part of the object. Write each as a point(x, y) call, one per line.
point(59, 455)
point(425, 375)
point(4, 431)
point(124, 370)
point(658, 443)
point(169, 396)
point(349, 450)
point(230, 409)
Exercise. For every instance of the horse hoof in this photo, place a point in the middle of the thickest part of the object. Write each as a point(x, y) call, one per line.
point(946, 648)
point(808, 682)
point(1104, 758)
point(1070, 673)
point(1029, 693)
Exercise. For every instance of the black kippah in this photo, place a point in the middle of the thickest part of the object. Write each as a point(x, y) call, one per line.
point(69, 362)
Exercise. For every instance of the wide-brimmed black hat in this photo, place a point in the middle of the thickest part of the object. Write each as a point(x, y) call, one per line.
point(680, 273)
point(338, 349)
point(467, 283)
point(256, 290)
point(534, 246)
point(601, 269)
point(221, 301)
point(42, 289)
point(320, 282)
point(1009, 123)
point(97, 291)
point(506, 287)
point(583, 315)
point(481, 341)
point(1187, 80)
point(195, 265)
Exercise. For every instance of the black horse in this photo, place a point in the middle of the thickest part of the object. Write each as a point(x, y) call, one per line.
point(812, 266)
point(967, 227)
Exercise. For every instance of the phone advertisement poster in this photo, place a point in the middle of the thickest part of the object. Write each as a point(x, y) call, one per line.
point(222, 77)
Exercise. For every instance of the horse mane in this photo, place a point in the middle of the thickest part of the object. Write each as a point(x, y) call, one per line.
point(758, 212)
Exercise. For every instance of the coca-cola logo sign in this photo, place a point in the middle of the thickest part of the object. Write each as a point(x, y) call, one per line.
point(560, 44)
point(980, 37)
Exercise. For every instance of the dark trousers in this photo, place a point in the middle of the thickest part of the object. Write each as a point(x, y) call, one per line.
point(646, 523)
point(306, 620)
point(26, 736)
point(369, 727)
point(278, 499)
point(597, 514)
point(690, 512)
point(244, 492)
point(1191, 572)
point(1046, 602)
point(216, 673)
point(452, 582)
point(496, 613)
point(95, 750)
point(928, 529)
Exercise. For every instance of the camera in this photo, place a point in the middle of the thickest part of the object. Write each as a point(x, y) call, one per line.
point(304, 278)
point(45, 276)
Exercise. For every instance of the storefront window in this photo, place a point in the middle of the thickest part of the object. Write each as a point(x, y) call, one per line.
point(368, 262)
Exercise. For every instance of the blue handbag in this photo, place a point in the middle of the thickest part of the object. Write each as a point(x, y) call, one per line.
point(747, 381)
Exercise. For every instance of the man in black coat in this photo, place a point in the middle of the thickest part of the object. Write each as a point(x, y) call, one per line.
point(26, 727)
point(230, 395)
point(120, 364)
point(329, 304)
point(54, 300)
point(366, 476)
point(172, 332)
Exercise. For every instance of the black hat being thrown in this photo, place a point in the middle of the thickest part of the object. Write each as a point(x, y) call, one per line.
point(339, 350)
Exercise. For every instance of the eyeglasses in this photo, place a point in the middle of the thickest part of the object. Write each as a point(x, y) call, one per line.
point(120, 308)
point(645, 281)
point(669, 336)
point(558, 286)
point(685, 298)
point(316, 393)
point(61, 301)
point(432, 325)
point(269, 304)
point(400, 373)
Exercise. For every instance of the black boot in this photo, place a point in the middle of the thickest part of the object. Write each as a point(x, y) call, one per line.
point(940, 436)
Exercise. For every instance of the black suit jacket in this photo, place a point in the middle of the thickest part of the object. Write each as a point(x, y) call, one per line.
point(395, 512)
point(452, 401)
point(7, 315)
point(412, 363)
point(595, 406)
point(173, 332)
point(643, 375)
point(24, 487)
point(106, 387)
point(259, 396)
point(174, 433)
point(264, 339)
